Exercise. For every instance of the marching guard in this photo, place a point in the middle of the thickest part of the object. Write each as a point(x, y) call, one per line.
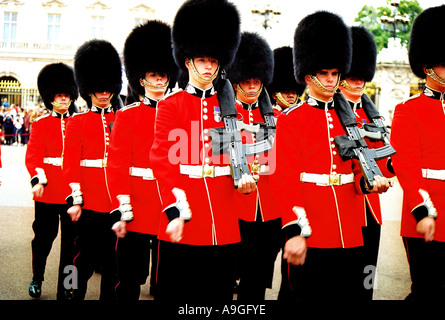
point(43, 160)
point(319, 199)
point(151, 70)
point(199, 231)
point(259, 220)
point(98, 73)
point(417, 132)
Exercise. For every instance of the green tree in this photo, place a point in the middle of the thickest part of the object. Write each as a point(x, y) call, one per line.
point(370, 18)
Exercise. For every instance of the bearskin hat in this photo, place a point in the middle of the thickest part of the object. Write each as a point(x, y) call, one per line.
point(54, 79)
point(321, 41)
point(425, 48)
point(253, 60)
point(191, 37)
point(283, 76)
point(98, 68)
point(364, 54)
point(148, 49)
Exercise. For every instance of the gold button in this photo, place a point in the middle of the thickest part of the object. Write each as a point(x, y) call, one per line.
point(204, 110)
point(205, 117)
point(207, 160)
point(204, 103)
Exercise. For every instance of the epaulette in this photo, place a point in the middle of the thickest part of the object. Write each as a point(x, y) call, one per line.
point(412, 97)
point(172, 93)
point(42, 117)
point(290, 109)
point(80, 113)
point(133, 105)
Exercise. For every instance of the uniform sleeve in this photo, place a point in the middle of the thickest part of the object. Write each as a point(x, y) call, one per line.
point(286, 176)
point(35, 151)
point(162, 155)
point(119, 156)
point(72, 153)
point(406, 162)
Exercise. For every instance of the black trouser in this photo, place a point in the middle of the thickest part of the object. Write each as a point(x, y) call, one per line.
point(371, 244)
point(326, 275)
point(133, 263)
point(260, 244)
point(195, 273)
point(96, 242)
point(427, 269)
point(46, 228)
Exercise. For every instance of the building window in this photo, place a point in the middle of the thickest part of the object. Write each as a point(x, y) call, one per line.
point(97, 27)
point(53, 28)
point(9, 26)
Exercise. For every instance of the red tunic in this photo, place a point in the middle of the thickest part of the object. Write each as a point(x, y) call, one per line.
point(46, 141)
point(88, 138)
point(263, 194)
point(131, 140)
point(305, 143)
point(418, 135)
point(182, 137)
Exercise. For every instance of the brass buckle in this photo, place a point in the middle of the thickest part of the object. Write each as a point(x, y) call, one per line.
point(255, 168)
point(208, 171)
point(334, 180)
point(104, 163)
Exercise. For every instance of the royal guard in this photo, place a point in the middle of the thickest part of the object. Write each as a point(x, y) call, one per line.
point(150, 69)
point(199, 232)
point(44, 163)
point(352, 86)
point(98, 73)
point(285, 91)
point(416, 133)
point(260, 223)
point(318, 197)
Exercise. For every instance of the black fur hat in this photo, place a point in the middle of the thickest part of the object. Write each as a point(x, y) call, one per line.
point(54, 79)
point(283, 76)
point(321, 41)
point(425, 46)
point(364, 54)
point(254, 59)
point(148, 49)
point(206, 28)
point(98, 68)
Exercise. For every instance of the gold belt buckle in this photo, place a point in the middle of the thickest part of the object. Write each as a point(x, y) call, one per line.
point(334, 180)
point(255, 168)
point(208, 171)
point(104, 163)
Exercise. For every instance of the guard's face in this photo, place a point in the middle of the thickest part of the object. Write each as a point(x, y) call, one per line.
point(325, 89)
point(248, 90)
point(61, 103)
point(289, 96)
point(101, 99)
point(155, 82)
point(202, 71)
point(355, 90)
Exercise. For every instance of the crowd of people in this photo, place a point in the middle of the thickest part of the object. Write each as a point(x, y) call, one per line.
point(225, 152)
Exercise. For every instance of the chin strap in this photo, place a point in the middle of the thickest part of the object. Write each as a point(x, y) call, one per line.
point(317, 82)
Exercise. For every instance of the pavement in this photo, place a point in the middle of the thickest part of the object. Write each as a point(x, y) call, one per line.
point(17, 214)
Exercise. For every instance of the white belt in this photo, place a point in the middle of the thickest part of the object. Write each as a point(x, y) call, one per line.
point(433, 174)
point(327, 179)
point(96, 163)
point(145, 173)
point(53, 161)
point(205, 171)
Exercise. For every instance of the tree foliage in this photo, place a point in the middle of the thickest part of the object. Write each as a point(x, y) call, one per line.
point(369, 17)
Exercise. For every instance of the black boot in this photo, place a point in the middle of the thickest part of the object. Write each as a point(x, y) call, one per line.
point(35, 289)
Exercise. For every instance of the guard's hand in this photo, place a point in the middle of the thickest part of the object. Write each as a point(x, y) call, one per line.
point(175, 229)
point(120, 229)
point(295, 250)
point(75, 212)
point(247, 183)
point(37, 190)
point(427, 228)
point(380, 184)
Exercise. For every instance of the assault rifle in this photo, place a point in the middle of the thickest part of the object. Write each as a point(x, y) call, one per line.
point(353, 145)
point(378, 126)
point(231, 132)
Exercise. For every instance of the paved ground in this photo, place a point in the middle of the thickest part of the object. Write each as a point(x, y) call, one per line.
point(16, 216)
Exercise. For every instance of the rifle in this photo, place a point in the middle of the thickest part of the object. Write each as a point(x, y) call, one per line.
point(378, 126)
point(353, 145)
point(232, 130)
point(267, 129)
